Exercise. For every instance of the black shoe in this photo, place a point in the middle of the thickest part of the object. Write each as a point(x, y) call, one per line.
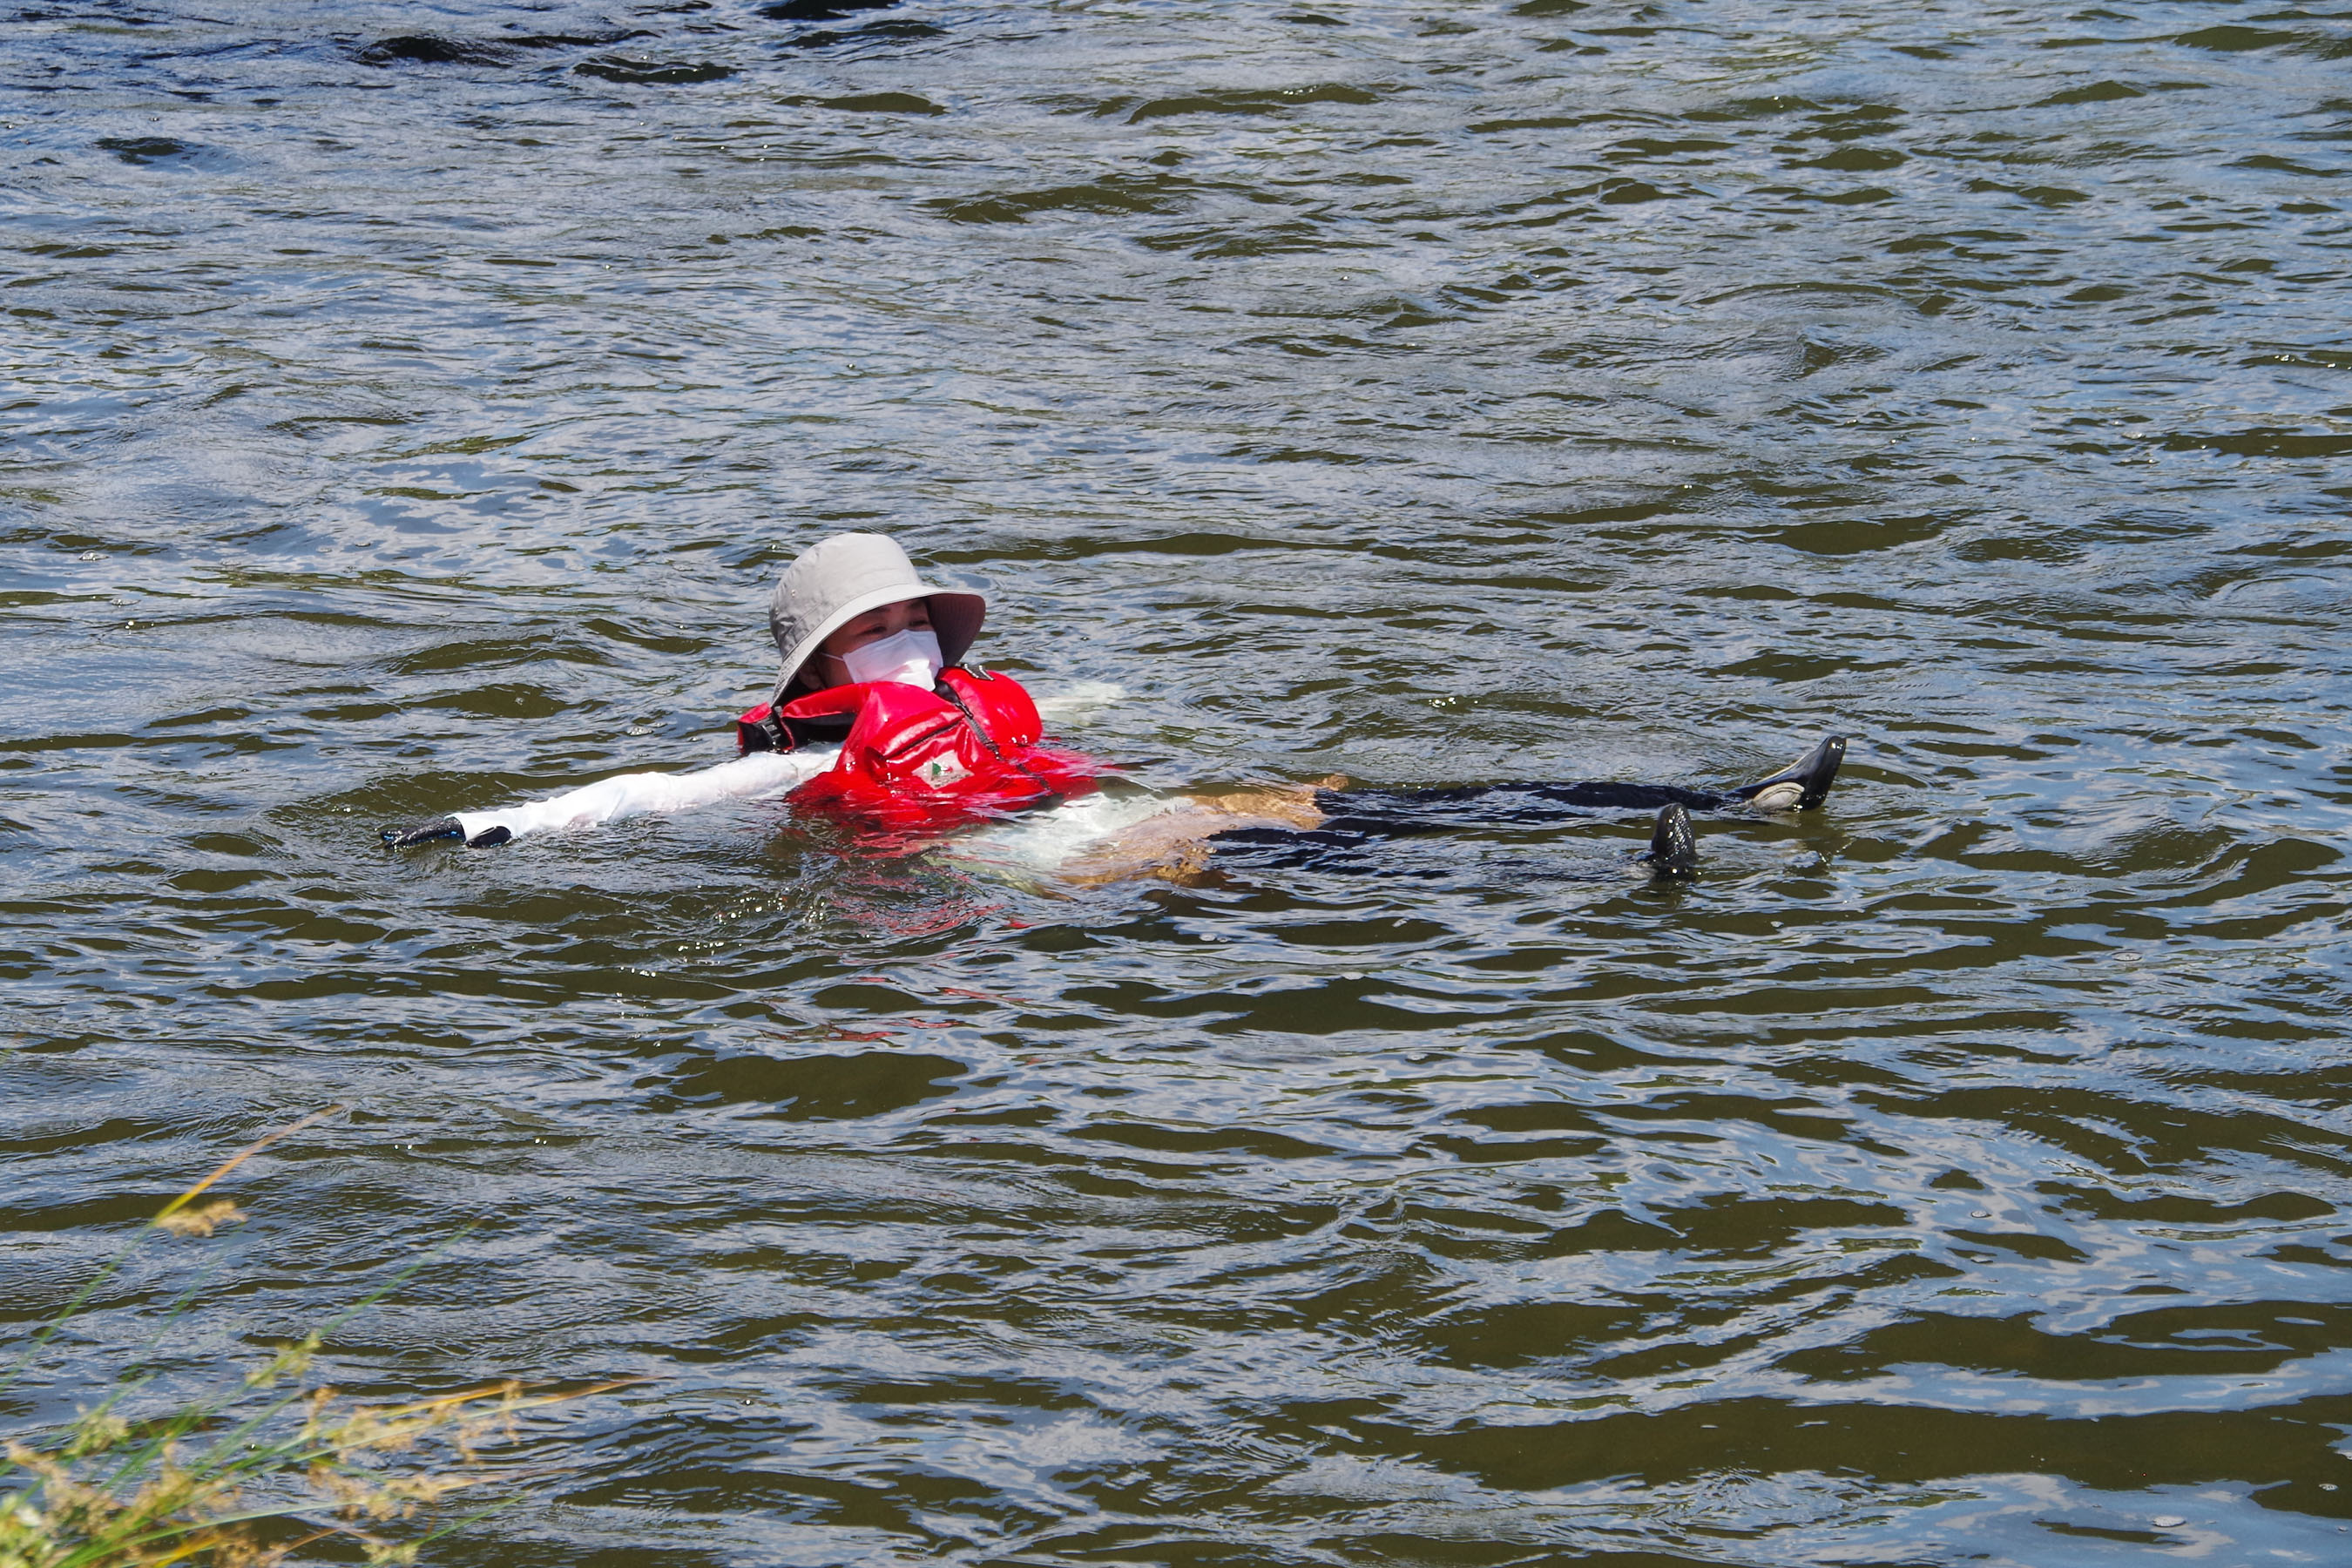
point(1673, 847)
point(423, 833)
point(1802, 784)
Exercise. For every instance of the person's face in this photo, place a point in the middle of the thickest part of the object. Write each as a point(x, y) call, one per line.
point(871, 627)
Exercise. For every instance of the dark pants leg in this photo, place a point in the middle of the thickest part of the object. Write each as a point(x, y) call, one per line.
point(1398, 813)
point(1358, 817)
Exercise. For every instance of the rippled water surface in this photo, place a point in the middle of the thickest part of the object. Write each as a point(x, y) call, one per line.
point(409, 405)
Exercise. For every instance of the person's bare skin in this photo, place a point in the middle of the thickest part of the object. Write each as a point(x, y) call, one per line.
point(1173, 846)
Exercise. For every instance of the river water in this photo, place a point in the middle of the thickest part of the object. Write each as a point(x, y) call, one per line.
point(408, 406)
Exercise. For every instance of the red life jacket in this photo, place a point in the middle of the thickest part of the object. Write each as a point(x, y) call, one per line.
point(921, 759)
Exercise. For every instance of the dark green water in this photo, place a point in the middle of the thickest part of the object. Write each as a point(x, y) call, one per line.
point(407, 409)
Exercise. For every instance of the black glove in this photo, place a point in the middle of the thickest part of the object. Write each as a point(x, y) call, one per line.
point(442, 828)
point(423, 833)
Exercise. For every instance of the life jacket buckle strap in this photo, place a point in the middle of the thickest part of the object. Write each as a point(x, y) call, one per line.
point(980, 729)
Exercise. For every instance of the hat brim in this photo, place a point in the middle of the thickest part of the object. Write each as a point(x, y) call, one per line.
point(956, 618)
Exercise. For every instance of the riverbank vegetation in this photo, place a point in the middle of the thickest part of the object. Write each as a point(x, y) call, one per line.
point(269, 1462)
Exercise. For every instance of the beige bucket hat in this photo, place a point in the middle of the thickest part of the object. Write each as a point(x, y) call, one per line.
point(835, 580)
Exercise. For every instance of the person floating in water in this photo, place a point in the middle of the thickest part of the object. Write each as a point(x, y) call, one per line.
point(874, 663)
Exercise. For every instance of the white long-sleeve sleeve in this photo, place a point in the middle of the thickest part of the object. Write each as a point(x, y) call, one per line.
point(761, 774)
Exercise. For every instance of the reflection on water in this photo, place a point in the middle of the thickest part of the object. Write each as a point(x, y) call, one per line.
point(408, 408)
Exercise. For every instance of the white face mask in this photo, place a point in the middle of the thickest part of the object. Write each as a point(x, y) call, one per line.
point(910, 657)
